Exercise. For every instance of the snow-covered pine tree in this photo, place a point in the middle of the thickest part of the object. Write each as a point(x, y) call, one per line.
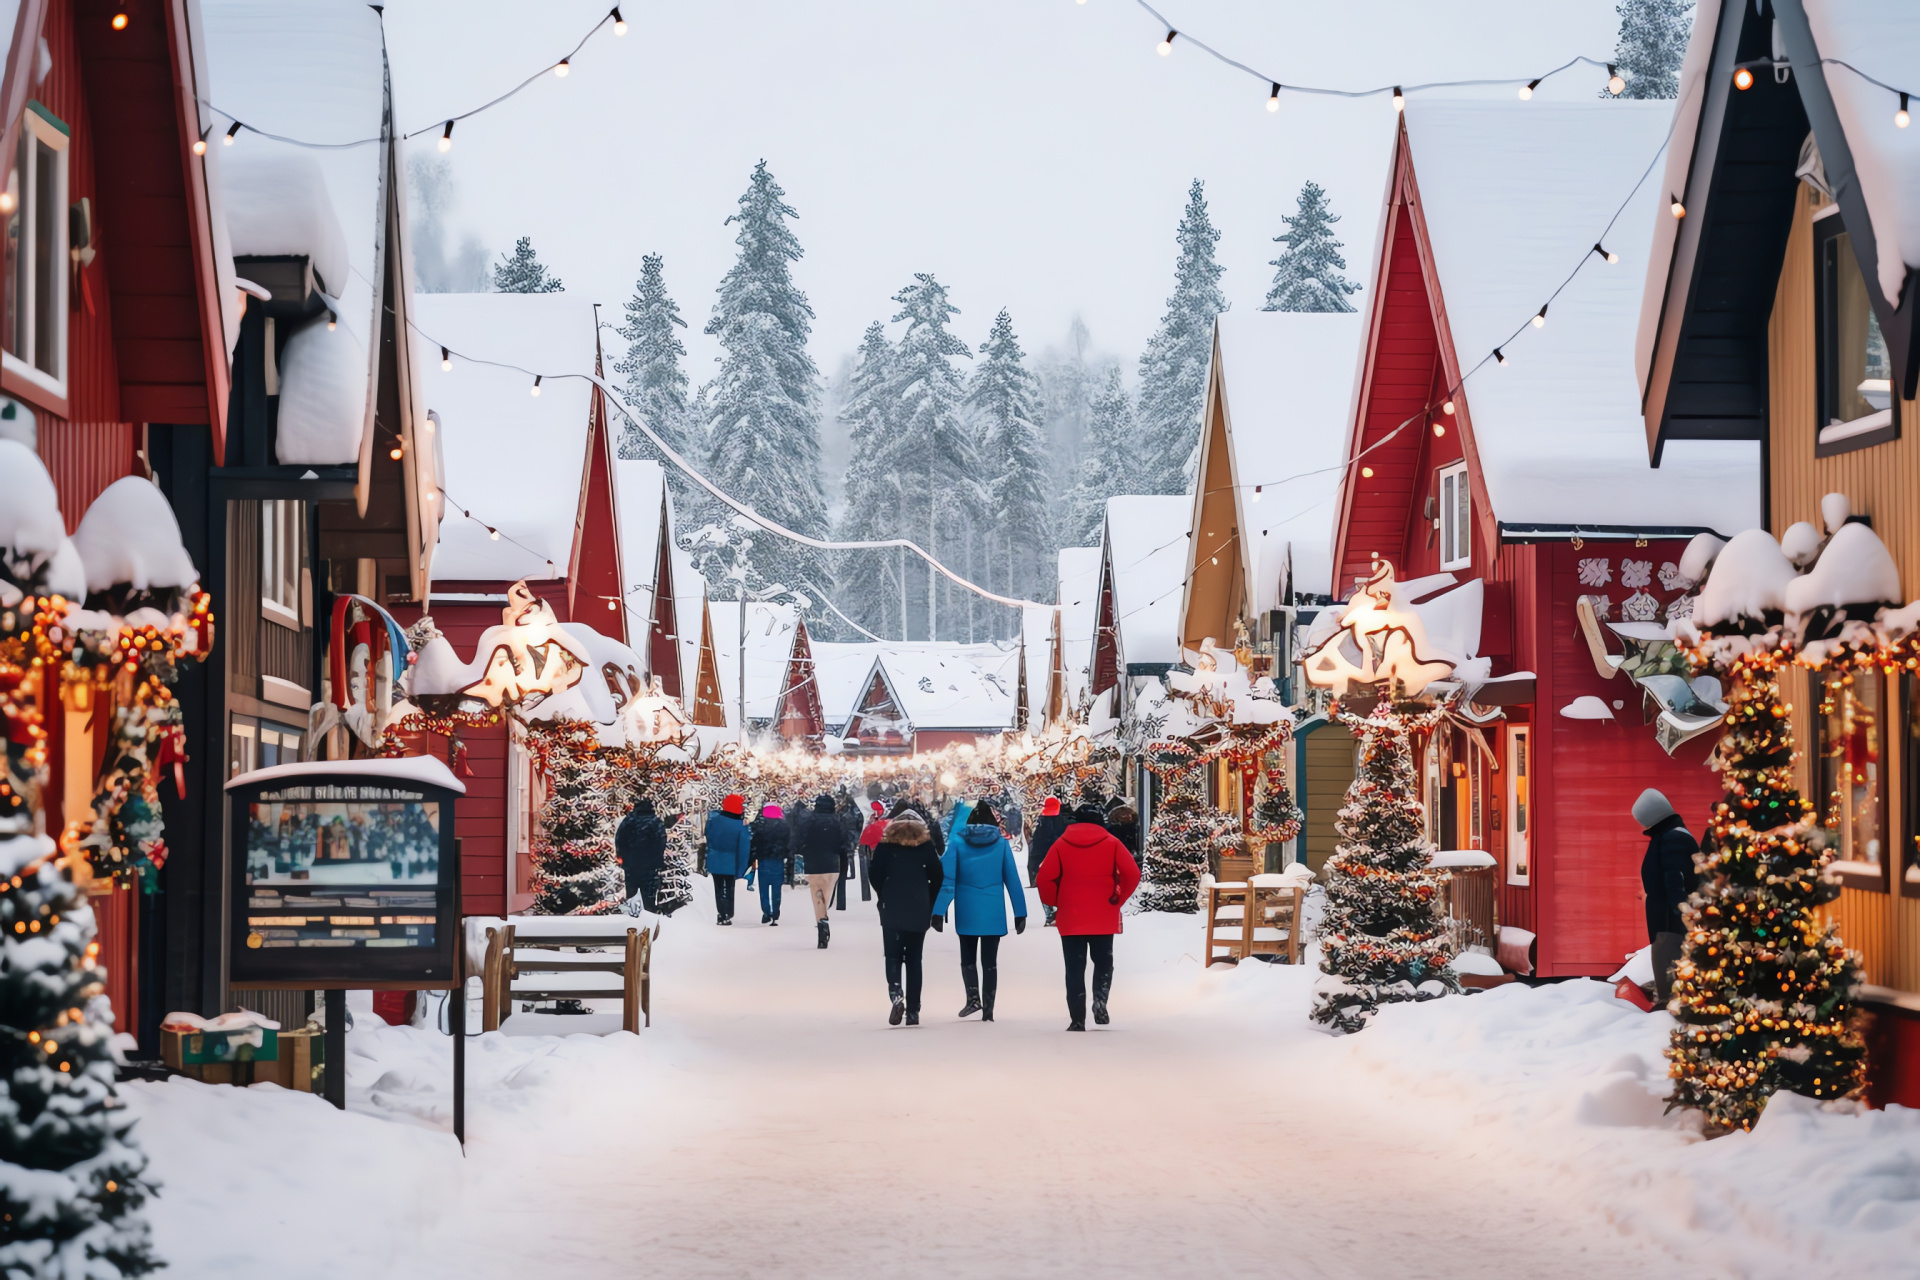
point(763, 424)
point(1653, 40)
point(521, 272)
point(1006, 399)
point(872, 585)
point(1173, 369)
point(657, 385)
point(1106, 463)
point(1383, 938)
point(1763, 995)
point(1307, 274)
point(934, 454)
point(574, 871)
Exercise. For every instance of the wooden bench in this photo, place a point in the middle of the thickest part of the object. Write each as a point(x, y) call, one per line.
point(508, 961)
point(1226, 907)
point(1260, 916)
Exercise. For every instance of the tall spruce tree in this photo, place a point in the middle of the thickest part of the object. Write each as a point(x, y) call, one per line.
point(1173, 369)
point(656, 387)
point(934, 453)
point(763, 424)
point(1106, 463)
point(1653, 40)
point(1005, 397)
point(1307, 274)
point(522, 272)
point(872, 585)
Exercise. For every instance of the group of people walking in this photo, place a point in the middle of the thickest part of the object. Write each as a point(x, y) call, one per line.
point(1083, 864)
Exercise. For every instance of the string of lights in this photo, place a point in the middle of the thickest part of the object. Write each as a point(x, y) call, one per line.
point(1743, 80)
point(443, 125)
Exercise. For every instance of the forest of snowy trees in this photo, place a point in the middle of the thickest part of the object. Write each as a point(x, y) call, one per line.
point(991, 458)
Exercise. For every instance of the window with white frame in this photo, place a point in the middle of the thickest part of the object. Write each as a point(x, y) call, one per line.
point(1456, 518)
point(33, 323)
point(1519, 804)
point(280, 559)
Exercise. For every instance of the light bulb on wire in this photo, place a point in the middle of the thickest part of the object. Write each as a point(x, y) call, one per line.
point(1900, 118)
point(1679, 210)
point(1500, 355)
point(1743, 79)
point(561, 68)
point(1439, 429)
point(493, 533)
point(1540, 317)
point(1257, 491)
point(200, 143)
point(535, 390)
point(1615, 84)
point(1526, 90)
point(1447, 408)
point(119, 22)
point(1399, 99)
point(446, 360)
point(1606, 254)
point(1273, 98)
point(395, 452)
point(1366, 473)
point(1166, 44)
point(619, 23)
point(446, 137)
point(232, 131)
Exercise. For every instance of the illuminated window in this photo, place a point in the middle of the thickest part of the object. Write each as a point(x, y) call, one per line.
point(1519, 804)
point(33, 323)
point(280, 560)
point(1456, 524)
point(1854, 373)
point(1848, 724)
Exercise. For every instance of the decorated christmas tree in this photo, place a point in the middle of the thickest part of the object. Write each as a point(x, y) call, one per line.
point(1275, 819)
point(1763, 991)
point(1383, 937)
point(574, 871)
point(1186, 831)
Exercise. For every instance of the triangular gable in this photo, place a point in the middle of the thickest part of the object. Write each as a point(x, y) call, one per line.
point(879, 721)
point(1214, 592)
point(799, 716)
point(663, 639)
point(1105, 668)
point(1057, 672)
point(595, 587)
point(708, 710)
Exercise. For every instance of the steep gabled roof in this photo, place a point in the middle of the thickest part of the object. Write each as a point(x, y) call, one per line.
point(1144, 565)
point(649, 569)
point(948, 686)
point(1079, 600)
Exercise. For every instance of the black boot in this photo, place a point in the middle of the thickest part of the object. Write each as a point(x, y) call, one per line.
point(823, 934)
point(913, 1017)
point(899, 1009)
point(970, 976)
point(1100, 991)
point(1077, 1011)
point(989, 982)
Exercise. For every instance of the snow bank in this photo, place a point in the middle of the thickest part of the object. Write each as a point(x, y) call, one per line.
point(323, 395)
point(423, 770)
point(129, 535)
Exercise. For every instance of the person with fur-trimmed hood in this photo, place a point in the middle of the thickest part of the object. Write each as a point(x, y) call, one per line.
point(907, 875)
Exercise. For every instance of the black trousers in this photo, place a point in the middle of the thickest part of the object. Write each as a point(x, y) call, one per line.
point(904, 948)
point(1077, 947)
point(1666, 953)
point(723, 895)
point(987, 946)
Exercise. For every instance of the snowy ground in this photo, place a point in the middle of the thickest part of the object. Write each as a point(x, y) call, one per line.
point(771, 1123)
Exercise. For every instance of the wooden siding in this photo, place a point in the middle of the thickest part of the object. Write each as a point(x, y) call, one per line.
point(1328, 772)
point(85, 457)
point(1213, 590)
point(1866, 926)
point(242, 604)
point(283, 653)
point(1515, 571)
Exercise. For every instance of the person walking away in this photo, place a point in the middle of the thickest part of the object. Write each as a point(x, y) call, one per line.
point(907, 875)
point(772, 848)
point(1045, 832)
point(1123, 823)
point(849, 812)
point(640, 845)
point(870, 837)
point(822, 847)
point(978, 876)
point(728, 852)
point(1668, 878)
point(1086, 877)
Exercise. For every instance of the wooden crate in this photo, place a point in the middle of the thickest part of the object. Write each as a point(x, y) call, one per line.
point(298, 1061)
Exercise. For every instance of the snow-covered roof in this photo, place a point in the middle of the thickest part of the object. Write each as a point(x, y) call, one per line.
point(421, 770)
point(951, 686)
point(640, 489)
point(840, 670)
point(1079, 598)
point(312, 70)
point(130, 535)
point(513, 459)
point(1882, 39)
point(1146, 548)
point(689, 612)
point(1514, 195)
point(1287, 379)
point(770, 630)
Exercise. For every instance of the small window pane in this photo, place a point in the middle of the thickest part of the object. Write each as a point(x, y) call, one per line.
point(1849, 723)
point(46, 288)
point(1857, 371)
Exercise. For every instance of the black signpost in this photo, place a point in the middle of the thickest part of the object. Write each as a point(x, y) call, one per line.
point(346, 877)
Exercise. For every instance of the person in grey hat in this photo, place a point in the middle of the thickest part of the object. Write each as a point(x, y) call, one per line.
point(1668, 877)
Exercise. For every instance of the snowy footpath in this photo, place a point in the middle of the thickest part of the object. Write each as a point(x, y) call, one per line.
point(771, 1123)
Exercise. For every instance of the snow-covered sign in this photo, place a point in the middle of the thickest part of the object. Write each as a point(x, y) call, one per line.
point(529, 656)
point(1380, 645)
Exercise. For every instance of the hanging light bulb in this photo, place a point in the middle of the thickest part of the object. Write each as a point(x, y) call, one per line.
point(536, 384)
point(395, 452)
point(561, 68)
point(1447, 407)
point(446, 360)
point(1439, 429)
point(1743, 79)
point(200, 143)
point(1166, 44)
point(1399, 99)
point(1540, 317)
point(1366, 473)
point(446, 137)
point(333, 322)
point(1526, 90)
point(1500, 355)
point(1615, 85)
point(619, 23)
point(1900, 118)
point(1257, 491)
point(493, 533)
point(1273, 98)
point(1679, 210)
point(119, 22)
point(1605, 253)
point(233, 130)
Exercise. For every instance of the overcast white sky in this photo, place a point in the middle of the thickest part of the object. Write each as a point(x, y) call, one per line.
point(1033, 154)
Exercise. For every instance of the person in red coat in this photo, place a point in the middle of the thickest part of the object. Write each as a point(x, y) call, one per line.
point(1085, 877)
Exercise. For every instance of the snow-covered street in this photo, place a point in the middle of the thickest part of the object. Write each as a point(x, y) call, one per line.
point(771, 1123)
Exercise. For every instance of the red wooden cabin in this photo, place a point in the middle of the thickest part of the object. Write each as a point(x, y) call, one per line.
point(1526, 471)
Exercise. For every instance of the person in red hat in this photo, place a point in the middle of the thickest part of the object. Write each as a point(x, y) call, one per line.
point(1045, 832)
point(728, 845)
point(869, 841)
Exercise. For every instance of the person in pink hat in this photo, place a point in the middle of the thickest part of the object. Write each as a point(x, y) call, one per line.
point(772, 850)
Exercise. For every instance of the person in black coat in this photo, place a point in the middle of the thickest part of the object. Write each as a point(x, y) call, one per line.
point(641, 846)
point(1123, 824)
point(822, 846)
point(906, 873)
point(1668, 878)
point(772, 850)
point(1045, 832)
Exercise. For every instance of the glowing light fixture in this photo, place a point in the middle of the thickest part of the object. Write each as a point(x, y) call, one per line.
point(1500, 355)
point(1447, 407)
point(1605, 253)
point(1540, 318)
point(1273, 98)
point(446, 137)
point(1439, 429)
point(1366, 473)
point(1399, 99)
point(619, 23)
point(1166, 44)
point(119, 22)
point(233, 131)
point(1900, 118)
point(561, 68)
point(446, 360)
point(1743, 79)
point(535, 390)
point(1526, 90)
point(1679, 210)
point(1615, 84)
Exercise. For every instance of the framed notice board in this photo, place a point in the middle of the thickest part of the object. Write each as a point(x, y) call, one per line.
point(345, 875)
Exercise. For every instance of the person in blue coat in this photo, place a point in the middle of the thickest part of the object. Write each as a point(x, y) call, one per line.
point(980, 875)
point(728, 843)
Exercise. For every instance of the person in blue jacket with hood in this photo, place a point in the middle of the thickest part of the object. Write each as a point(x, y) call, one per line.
point(727, 844)
point(980, 875)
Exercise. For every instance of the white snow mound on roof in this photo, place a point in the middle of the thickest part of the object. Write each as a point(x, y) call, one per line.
point(1749, 580)
point(1510, 195)
point(1856, 568)
point(323, 395)
point(277, 204)
point(1147, 550)
point(129, 535)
